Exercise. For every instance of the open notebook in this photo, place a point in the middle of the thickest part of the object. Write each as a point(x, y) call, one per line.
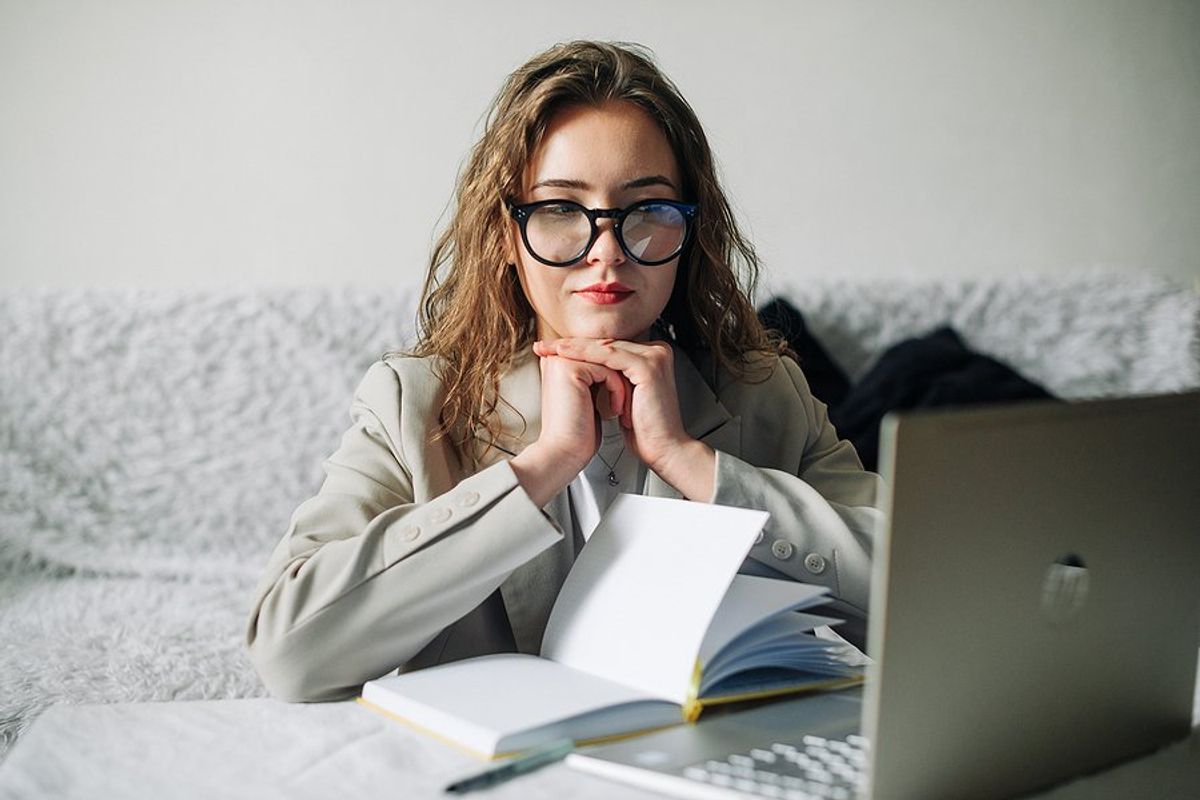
point(652, 624)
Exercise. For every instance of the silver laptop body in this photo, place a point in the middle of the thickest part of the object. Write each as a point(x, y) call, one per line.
point(1035, 610)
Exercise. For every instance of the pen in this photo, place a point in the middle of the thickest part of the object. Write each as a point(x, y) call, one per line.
point(539, 757)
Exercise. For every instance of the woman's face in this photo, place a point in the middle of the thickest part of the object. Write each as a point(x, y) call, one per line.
point(600, 157)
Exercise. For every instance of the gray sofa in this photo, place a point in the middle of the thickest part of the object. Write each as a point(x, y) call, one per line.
point(153, 444)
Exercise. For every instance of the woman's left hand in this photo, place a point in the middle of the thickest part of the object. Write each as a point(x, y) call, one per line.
point(653, 426)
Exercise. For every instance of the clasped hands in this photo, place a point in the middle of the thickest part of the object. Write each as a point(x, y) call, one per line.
point(584, 380)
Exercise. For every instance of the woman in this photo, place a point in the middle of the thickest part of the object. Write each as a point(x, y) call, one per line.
point(582, 333)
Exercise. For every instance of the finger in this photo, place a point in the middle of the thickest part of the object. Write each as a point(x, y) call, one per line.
point(623, 344)
point(549, 347)
point(617, 395)
point(641, 347)
point(602, 401)
point(609, 389)
point(635, 360)
point(599, 352)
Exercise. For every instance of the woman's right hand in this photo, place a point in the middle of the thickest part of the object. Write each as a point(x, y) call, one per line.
point(575, 396)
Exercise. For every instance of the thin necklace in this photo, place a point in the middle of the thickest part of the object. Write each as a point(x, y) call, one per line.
point(613, 480)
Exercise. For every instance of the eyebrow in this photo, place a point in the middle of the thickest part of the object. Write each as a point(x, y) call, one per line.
point(636, 183)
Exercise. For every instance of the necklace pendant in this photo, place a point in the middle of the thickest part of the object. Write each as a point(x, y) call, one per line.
point(613, 480)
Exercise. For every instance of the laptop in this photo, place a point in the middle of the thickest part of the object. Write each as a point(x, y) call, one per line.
point(1035, 615)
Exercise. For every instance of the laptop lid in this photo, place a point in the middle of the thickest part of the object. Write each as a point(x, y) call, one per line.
point(1035, 609)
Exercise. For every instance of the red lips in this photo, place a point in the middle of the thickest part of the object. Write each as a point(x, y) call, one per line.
point(605, 293)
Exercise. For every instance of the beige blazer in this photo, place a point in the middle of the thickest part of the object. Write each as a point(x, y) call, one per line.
point(407, 557)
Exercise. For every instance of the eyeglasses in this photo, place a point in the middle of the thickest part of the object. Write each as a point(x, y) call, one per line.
point(560, 232)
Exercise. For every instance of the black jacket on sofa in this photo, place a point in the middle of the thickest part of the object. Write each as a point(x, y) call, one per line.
point(931, 371)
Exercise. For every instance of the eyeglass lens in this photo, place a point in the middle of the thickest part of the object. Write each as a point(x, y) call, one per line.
point(649, 232)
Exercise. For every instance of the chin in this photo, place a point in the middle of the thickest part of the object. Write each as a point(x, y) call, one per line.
point(627, 332)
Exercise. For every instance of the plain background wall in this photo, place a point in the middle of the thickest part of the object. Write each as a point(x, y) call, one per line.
point(258, 142)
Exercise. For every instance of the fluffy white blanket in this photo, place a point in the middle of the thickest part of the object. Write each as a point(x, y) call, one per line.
point(153, 445)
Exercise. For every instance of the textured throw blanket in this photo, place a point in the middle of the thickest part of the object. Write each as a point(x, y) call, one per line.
point(152, 448)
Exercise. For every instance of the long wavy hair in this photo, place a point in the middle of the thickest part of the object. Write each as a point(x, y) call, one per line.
point(473, 314)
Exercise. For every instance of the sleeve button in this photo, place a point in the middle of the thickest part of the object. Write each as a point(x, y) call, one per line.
point(410, 532)
point(782, 549)
point(441, 515)
point(814, 563)
point(469, 499)
point(759, 539)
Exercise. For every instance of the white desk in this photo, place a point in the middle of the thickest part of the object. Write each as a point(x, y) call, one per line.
point(268, 749)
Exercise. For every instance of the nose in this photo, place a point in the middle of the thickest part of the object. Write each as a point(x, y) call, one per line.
point(606, 249)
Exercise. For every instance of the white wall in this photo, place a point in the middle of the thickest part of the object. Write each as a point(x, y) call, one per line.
point(149, 142)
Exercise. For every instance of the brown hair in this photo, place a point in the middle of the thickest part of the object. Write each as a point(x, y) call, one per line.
point(473, 312)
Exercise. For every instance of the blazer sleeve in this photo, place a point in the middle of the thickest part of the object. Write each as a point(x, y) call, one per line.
point(823, 504)
point(366, 576)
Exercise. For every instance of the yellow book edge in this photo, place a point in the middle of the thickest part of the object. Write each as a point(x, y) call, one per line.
point(830, 685)
point(462, 748)
point(694, 705)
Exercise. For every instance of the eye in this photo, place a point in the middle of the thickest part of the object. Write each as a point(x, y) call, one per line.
point(558, 215)
point(655, 213)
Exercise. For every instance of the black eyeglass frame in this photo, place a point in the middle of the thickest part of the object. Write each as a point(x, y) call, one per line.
point(521, 213)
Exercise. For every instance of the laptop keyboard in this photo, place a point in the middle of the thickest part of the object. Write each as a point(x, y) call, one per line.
point(815, 767)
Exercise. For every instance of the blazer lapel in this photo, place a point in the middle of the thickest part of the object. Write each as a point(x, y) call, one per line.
point(529, 592)
point(517, 416)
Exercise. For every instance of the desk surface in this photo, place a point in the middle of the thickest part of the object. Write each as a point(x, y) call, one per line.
point(265, 749)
